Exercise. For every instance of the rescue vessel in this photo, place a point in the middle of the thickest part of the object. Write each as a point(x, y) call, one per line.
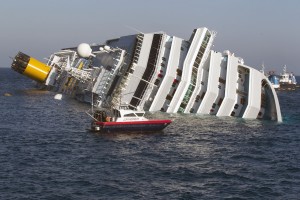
point(125, 119)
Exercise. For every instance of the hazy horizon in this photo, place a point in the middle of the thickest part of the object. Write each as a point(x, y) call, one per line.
point(264, 31)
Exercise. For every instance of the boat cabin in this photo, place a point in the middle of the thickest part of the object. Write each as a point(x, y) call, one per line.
point(124, 113)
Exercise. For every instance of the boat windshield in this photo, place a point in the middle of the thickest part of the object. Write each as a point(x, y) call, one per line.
point(135, 114)
point(140, 114)
point(130, 115)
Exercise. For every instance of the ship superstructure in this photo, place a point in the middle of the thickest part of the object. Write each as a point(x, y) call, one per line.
point(157, 72)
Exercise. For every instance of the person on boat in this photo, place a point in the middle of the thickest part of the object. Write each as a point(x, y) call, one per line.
point(100, 116)
point(108, 119)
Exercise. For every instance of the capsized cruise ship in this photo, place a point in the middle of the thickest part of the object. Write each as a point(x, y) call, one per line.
point(157, 72)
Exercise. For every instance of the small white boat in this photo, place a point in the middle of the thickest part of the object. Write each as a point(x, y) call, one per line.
point(125, 119)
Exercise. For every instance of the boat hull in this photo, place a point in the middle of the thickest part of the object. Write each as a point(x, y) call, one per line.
point(141, 126)
point(286, 86)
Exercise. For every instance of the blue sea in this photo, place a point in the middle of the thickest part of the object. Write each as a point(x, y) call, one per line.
point(46, 152)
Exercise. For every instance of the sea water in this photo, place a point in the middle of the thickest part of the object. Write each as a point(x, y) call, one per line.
point(46, 152)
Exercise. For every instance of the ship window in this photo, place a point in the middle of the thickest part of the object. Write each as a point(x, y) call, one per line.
point(173, 92)
point(163, 58)
point(222, 80)
point(220, 101)
point(242, 101)
point(197, 98)
point(202, 96)
point(130, 115)
point(183, 105)
point(157, 81)
point(214, 105)
point(236, 106)
point(232, 113)
point(162, 64)
point(179, 72)
point(169, 97)
point(131, 71)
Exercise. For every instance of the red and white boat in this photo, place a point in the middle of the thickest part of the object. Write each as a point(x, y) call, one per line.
point(125, 119)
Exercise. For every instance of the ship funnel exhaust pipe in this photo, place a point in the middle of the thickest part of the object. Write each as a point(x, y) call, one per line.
point(30, 67)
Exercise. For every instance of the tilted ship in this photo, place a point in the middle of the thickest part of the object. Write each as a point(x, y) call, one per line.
point(157, 72)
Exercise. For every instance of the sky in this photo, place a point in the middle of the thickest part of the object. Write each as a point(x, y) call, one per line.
point(260, 31)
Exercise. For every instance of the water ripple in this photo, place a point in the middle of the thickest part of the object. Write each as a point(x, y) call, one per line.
point(46, 152)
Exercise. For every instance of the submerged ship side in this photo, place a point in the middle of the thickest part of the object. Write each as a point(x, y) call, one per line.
point(158, 72)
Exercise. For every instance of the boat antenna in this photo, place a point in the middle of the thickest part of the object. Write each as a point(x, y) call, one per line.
point(284, 69)
point(263, 68)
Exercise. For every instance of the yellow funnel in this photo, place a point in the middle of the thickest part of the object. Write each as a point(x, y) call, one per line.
point(31, 67)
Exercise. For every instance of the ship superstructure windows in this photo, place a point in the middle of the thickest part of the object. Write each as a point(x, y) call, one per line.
point(194, 77)
point(150, 68)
